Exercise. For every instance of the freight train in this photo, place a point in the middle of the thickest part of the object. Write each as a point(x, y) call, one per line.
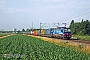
point(59, 32)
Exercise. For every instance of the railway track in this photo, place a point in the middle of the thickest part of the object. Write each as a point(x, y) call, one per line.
point(70, 40)
point(87, 42)
point(81, 41)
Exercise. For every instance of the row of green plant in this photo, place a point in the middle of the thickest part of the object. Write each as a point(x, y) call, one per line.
point(22, 47)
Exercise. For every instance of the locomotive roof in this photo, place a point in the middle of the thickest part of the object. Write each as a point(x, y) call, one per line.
point(63, 27)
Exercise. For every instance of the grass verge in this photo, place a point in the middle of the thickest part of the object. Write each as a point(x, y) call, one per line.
point(81, 37)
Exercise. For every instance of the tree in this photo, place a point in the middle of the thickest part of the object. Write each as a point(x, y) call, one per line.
point(28, 30)
point(87, 27)
point(18, 31)
point(72, 22)
point(72, 27)
point(80, 28)
point(23, 30)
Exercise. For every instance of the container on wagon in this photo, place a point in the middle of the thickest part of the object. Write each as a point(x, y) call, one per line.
point(42, 31)
point(39, 33)
point(50, 32)
point(35, 32)
point(46, 31)
point(31, 32)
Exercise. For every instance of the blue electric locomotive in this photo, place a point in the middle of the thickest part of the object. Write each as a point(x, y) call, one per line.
point(61, 32)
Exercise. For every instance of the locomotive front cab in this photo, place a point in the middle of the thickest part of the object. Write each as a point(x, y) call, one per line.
point(67, 33)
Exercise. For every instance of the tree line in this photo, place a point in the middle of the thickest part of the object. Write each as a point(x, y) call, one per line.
point(80, 28)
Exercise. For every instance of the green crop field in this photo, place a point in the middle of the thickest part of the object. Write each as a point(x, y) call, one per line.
point(1, 34)
point(22, 47)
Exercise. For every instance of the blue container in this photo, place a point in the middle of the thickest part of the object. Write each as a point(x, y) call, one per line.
point(39, 32)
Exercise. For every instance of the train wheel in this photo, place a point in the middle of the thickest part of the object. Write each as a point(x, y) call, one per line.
point(62, 38)
point(68, 38)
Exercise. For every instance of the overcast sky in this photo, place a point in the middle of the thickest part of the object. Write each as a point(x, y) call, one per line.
point(21, 13)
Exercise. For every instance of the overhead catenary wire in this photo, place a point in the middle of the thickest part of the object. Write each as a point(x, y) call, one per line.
point(83, 11)
point(79, 14)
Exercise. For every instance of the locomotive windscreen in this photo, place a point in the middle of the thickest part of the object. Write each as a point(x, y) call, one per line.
point(67, 30)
